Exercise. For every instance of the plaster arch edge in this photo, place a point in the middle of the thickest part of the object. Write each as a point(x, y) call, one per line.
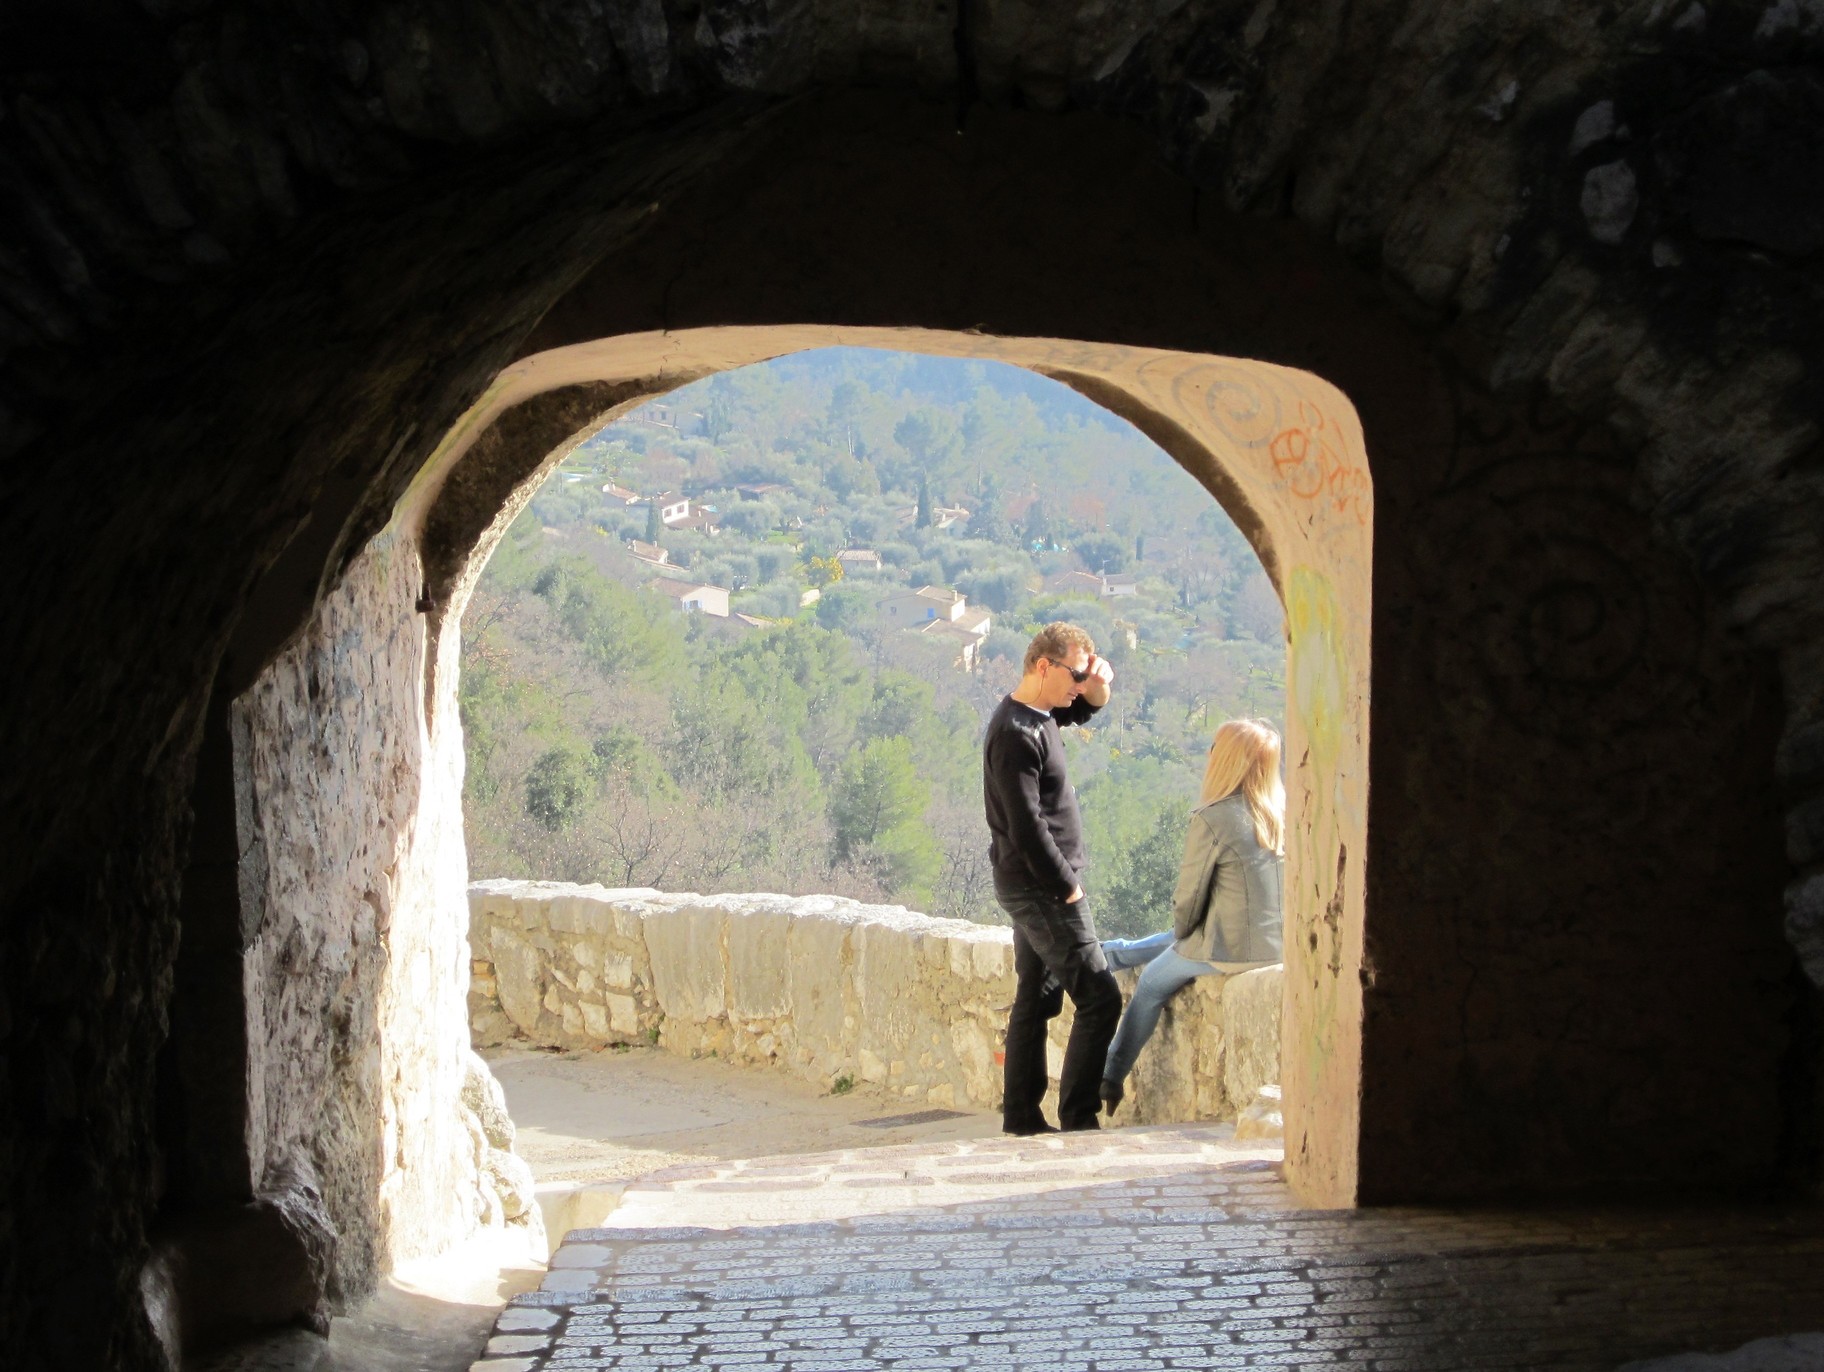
point(1135, 383)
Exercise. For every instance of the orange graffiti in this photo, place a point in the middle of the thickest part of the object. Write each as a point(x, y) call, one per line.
point(1311, 468)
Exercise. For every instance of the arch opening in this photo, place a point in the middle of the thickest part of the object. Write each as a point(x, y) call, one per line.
point(1280, 450)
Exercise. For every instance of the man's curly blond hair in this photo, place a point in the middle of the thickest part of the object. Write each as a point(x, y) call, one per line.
point(1056, 641)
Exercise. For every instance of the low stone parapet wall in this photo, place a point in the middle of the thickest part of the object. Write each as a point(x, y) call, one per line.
point(825, 988)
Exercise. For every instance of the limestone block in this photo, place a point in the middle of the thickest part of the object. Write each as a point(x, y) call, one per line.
point(817, 976)
point(975, 1045)
point(623, 1014)
point(1250, 1031)
point(519, 973)
point(1163, 1085)
point(689, 977)
point(1263, 1118)
point(482, 1094)
point(595, 1020)
point(584, 912)
point(888, 987)
point(513, 1182)
point(992, 958)
point(759, 952)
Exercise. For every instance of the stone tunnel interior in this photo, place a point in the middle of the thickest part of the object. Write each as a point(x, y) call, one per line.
point(1576, 942)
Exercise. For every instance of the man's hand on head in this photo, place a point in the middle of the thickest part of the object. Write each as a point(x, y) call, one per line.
point(1101, 676)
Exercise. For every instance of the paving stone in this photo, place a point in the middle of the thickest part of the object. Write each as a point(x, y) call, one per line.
point(1152, 1249)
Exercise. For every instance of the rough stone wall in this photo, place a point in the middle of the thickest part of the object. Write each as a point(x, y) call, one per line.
point(826, 989)
point(352, 878)
point(271, 254)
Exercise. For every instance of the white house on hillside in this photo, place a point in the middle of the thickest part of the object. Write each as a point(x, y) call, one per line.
point(694, 595)
point(909, 609)
point(859, 560)
point(1087, 583)
point(672, 506)
point(941, 613)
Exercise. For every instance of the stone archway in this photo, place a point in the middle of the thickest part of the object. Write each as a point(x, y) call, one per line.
point(1280, 449)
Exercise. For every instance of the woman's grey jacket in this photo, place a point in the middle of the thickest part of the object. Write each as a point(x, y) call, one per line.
point(1226, 906)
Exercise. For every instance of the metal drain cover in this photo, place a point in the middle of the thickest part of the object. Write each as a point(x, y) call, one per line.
point(916, 1117)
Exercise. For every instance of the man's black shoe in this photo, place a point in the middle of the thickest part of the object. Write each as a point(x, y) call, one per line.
point(1040, 1128)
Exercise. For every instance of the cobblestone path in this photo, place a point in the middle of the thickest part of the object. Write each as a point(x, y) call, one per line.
point(1134, 1249)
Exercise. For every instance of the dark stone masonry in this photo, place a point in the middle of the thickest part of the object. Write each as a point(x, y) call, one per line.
point(257, 264)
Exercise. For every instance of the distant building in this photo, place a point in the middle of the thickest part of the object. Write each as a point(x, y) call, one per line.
point(694, 595)
point(672, 507)
point(810, 595)
point(1089, 583)
point(943, 614)
point(909, 609)
point(648, 552)
point(662, 414)
point(700, 519)
point(760, 490)
point(859, 560)
point(620, 495)
point(965, 643)
point(942, 516)
point(1083, 583)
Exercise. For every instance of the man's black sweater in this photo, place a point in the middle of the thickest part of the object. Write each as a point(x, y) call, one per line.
point(1035, 832)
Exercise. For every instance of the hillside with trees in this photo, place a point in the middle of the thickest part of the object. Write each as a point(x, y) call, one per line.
point(869, 540)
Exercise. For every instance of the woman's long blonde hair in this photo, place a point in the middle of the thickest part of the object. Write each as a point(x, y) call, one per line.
point(1245, 757)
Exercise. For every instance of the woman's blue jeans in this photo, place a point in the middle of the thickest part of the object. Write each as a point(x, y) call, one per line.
point(1165, 974)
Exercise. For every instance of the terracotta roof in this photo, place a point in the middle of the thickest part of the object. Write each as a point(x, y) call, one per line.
point(671, 586)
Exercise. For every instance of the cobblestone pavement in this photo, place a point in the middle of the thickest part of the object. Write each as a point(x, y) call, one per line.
point(1136, 1249)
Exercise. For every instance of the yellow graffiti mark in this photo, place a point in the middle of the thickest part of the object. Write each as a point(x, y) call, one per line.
point(1317, 701)
point(1314, 620)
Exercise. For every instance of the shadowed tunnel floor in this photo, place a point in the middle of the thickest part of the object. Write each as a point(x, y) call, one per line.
point(1135, 1250)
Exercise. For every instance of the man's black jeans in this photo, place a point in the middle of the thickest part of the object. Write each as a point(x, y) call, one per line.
point(1050, 936)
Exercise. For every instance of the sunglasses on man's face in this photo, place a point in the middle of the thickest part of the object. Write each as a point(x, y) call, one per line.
point(1075, 675)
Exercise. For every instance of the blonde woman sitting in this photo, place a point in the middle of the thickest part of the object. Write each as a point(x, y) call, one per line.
point(1226, 912)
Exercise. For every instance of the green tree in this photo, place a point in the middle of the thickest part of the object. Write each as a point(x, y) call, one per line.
point(877, 791)
point(1103, 553)
point(1037, 528)
point(559, 785)
point(1138, 901)
point(626, 636)
point(930, 436)
point(923, 520)
point(654, 525)
point(902, 705)
point(846, 609)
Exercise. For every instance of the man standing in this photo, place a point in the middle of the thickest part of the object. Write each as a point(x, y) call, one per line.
point(1036, 851)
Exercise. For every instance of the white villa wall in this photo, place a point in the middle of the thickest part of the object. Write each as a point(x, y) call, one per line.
point(823, 988)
